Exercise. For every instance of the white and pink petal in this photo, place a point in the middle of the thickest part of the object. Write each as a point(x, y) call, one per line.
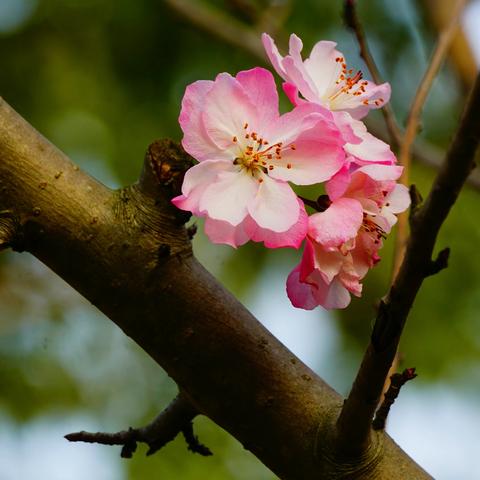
point(275, 205)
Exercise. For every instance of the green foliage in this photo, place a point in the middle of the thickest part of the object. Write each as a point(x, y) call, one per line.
point(102, 79)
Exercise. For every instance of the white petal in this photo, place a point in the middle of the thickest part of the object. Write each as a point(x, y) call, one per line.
point(275, 206)
point(228, 198)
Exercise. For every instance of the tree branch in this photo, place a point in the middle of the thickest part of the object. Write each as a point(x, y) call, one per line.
point(413, 121)
point(397, 381)
point(352, 21)
point(8, 229)
point(176, 418)
point(357, 413)
point(219, 24)
point(127, 252)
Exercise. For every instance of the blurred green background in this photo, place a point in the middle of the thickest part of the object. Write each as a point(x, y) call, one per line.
point(102, 79)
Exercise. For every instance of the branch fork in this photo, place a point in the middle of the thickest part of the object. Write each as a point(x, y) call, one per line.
point(176, 418)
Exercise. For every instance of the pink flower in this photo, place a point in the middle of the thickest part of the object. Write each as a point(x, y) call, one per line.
point(343, 241)
point(374, 187)
point(248, 153)
point(332, 264)
point(324, 78)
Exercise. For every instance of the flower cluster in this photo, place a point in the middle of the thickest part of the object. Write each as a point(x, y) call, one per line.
point(249, 153)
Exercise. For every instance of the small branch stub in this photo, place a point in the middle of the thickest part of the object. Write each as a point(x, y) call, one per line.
point(440, 263)
point(192, 441)
point(176, 418)
point(9, 231)
point(416, 200)
point(397, 380)
point(164, 169)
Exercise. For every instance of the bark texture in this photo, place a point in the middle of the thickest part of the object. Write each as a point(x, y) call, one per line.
point(128, 252)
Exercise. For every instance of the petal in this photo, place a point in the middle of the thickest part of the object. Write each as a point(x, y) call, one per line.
point(290, 125)
point(291, 91)
point(314, 159)
point(196, 140)
point(196, 180)
point(225, 233)
point(275, 205)
point(273, 54)
point(260, 87)
point(226, 110)
point(327, 263)
point(370, 149)
point(337, 224)
point(307, 265)
point(322, 66)
point(399, 199)
point(373, 92)
point(349, 277)
point(293, 237)
point(333, 295)
point(311, 162)
point(338, 184)
point(228, 197)
point(346, 124)
point(296, 74)
point(381, 173)
point(300, 294)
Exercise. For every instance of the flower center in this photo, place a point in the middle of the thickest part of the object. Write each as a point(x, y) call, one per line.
point(350, 85)
point(257, 155)
point(375, 231)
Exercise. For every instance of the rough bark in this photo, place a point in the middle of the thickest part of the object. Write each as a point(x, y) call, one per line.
point(128, 253)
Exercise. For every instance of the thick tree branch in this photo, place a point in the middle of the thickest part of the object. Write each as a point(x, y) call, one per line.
point(357, 413)
point(128, 253)
point(8, 229)
point(176, 418)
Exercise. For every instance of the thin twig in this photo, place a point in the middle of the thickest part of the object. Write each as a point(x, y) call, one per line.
point(176, 418)
point(192, 441)
point(352, 21)
point(422, 151)
point(354, 423)
point(220, 24)
point(413, 121)
point(397, 381)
